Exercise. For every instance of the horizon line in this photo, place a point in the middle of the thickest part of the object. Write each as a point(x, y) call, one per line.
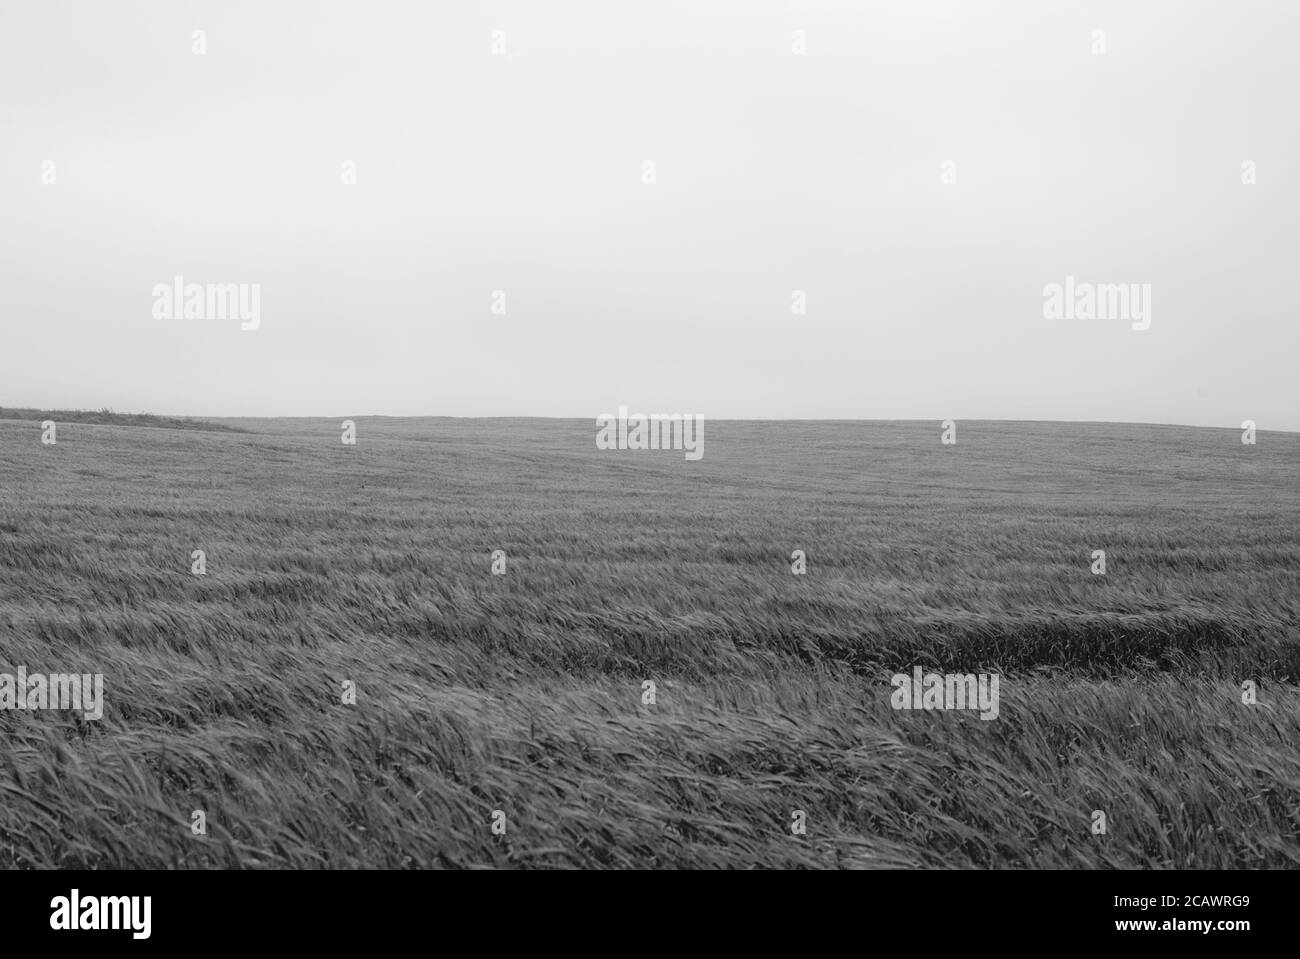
point(719, 419)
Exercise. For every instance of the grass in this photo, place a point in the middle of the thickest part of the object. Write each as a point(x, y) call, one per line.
point(107, 417)
point(522, 693)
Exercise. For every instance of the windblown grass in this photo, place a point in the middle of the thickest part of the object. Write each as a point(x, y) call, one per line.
point(109, 418)
point(523, 692)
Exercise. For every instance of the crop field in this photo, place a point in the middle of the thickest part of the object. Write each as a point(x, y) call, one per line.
point(348, 684)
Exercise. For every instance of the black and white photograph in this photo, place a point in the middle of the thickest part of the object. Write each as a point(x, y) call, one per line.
point(693, 436)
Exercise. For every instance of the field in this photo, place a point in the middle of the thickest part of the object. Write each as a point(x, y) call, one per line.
point(371, 564)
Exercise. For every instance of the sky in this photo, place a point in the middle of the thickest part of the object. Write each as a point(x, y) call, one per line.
point(919, 170)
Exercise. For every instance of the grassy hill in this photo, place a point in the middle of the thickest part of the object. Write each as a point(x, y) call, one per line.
point(522, 693)
point(109, 418)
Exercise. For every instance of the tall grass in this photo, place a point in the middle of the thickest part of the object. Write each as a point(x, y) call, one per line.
point(522, 692)
point(107, 417)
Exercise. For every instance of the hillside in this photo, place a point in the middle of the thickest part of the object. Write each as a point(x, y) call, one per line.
point(109, 418)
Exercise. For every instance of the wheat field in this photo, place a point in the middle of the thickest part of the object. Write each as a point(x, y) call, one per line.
point(369, 567)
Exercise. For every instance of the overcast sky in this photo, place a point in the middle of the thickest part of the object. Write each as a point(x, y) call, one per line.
point(774, 172)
